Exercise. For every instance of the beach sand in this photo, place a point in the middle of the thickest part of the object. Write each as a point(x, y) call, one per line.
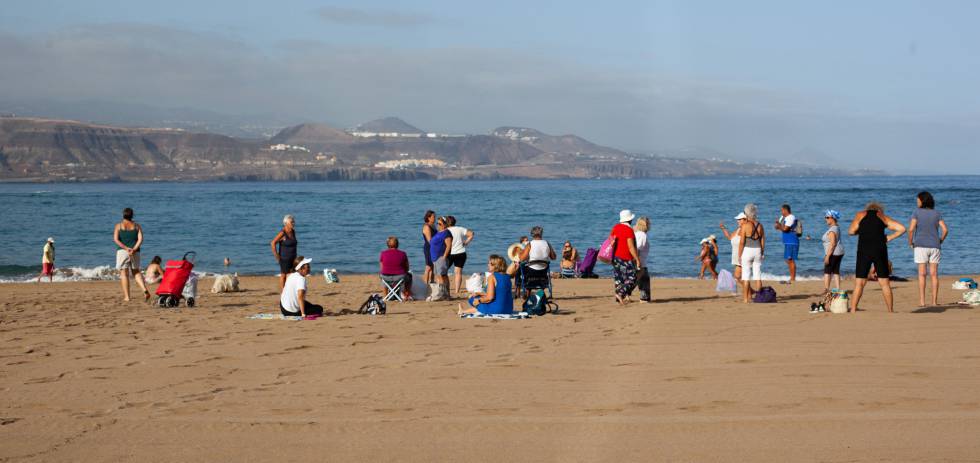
point(692, 377)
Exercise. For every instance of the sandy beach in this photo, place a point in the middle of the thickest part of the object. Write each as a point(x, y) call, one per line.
point(691, 377)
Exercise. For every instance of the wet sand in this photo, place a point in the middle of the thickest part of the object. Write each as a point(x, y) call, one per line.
point(691, 377)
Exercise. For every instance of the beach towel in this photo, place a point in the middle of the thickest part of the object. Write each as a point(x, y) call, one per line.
point(279, 316)
point(499, 316)
point(726, 282)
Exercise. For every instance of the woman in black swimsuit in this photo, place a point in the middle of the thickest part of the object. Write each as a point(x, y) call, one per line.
point(870, 226)
point(284, 248)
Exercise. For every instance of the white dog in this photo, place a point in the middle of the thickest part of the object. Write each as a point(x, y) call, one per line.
point(225, 284)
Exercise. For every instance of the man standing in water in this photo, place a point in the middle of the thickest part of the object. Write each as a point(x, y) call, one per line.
point(128, 235)
point(47, 261)
point(788, 225)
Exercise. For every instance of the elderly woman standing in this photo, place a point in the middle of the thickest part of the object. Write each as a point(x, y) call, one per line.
point(284, 248)
point(870, 226)
point(626, 260)
point(751, 249)
point(927, 232)
point(833, 250)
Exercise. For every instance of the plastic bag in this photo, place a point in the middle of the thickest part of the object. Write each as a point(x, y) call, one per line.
point(330, 274)
point(474, 284)
point(420, 290)
point(726, 282)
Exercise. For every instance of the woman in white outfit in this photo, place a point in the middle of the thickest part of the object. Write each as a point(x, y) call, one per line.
point(752, 249)
point(735, 238)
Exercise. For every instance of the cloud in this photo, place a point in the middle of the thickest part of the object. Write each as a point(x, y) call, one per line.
point(461, 90)
point(359, 17)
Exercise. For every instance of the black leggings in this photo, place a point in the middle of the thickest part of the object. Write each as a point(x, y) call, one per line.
point(309, 308)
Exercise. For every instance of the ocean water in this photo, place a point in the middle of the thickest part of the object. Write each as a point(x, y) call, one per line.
point(344, 225)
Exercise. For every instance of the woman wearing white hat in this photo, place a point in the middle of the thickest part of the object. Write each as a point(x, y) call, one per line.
point(626, 260)
point(47, 261)
point(709, 257)
point(293, 301)
point(735, 238)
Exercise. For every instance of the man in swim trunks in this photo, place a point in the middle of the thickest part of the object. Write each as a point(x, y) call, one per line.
point(788, 224)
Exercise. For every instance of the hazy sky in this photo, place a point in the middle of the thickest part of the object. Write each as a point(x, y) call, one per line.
point(872, 83)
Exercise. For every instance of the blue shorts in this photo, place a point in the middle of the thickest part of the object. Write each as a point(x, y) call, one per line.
point(791, 252)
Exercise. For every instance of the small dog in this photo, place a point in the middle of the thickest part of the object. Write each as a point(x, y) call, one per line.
point(225, 284)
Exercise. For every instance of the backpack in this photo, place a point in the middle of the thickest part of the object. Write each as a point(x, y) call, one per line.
point(374, 305)
point(766, 295)
point(537, 304)
point(799, 227)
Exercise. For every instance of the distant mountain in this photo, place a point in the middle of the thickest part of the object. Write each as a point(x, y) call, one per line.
point(44, 150)
point(317, 136)
point(388, 125)
point(562, 144)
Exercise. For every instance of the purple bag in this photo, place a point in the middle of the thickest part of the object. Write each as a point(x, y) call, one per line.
point(765, 295)
point(586, 266)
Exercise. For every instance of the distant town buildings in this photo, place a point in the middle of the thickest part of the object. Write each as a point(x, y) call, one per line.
point(285, 147)
point(411, 163)
point(361, 134)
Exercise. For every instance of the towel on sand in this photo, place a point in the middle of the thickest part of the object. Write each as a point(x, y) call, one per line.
point(279, 316)
point(509, 316)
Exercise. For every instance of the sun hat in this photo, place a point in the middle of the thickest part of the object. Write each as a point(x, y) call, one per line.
point(704, 240)
point(712, 238)
point(303, 262)
point(626, 216)
point(832, 213)
point(741, 216)
point(512, 252)
point(51, 239)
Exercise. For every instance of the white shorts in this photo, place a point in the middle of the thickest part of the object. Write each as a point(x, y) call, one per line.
point(751, 264)
point(928, 255)
point(124, 261)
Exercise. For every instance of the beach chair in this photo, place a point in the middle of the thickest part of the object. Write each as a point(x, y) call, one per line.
point(531, 279)
point(568, 273)
point(394, 289)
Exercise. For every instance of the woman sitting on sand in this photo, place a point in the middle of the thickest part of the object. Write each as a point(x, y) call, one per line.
point(293, 300)
point(154, 273)
point(499, 296)
point(569, 257)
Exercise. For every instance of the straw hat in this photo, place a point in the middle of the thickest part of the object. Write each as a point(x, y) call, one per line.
point(514, 252)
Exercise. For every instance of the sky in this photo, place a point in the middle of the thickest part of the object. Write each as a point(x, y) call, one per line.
point(885, 84)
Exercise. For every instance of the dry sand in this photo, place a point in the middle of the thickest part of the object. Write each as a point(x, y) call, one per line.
point(692, 377)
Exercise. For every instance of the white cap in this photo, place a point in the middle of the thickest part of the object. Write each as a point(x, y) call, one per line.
point(705, 240)
point(302, 263)
point(626, 216)
point(51, 239)
point(712, 238)
point(740, 216)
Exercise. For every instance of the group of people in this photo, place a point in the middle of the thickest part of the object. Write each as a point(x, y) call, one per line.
point(445, 242)
point(926, 232)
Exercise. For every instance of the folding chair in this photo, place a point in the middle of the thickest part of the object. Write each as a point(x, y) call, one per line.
point(394, 290)
point(531, 279)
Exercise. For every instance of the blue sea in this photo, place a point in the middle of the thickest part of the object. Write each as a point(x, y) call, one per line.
point(344, 225)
